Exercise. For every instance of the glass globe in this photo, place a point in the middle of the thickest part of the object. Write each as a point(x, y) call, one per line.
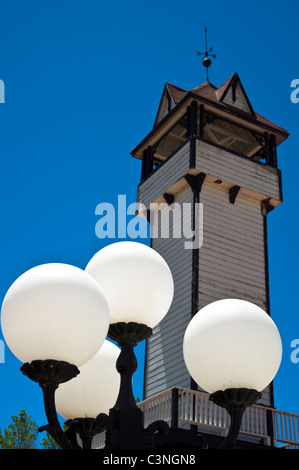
point(94, 390)
point(232, 343)
point(136, 280)
point(55, 311)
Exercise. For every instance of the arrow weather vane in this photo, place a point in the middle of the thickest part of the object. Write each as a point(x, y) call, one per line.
point(206, 61)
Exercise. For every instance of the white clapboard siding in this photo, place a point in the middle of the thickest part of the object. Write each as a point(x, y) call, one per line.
point(231, 258)
point(237, 170)
point(259, 181)
point(166, 175)
point(232, 255)
point(165, 367)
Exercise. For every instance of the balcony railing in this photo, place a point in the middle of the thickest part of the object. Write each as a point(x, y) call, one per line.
point(179, 407)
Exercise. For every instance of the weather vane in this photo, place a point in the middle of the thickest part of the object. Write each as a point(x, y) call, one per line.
point(206, 61)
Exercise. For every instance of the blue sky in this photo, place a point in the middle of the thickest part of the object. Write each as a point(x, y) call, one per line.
point(83, 82)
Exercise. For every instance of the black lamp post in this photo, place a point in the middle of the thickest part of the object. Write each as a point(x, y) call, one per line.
point(232, 348)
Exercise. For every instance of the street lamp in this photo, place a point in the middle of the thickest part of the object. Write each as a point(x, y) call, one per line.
point(232, 349)
point(55, 319)
point(136, 281)
point(55, 311)
point(138, 285)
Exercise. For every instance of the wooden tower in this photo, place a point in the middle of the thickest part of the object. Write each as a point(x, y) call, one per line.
point(208, 146)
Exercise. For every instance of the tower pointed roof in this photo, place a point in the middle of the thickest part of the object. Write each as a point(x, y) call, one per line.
point(228, 100)
point(230, 96)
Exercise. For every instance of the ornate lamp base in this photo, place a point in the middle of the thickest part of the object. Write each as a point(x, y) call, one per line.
point(49, 371)
point(235, 401)
point(86, 428)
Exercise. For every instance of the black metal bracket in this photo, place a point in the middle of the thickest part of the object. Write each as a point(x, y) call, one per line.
point(195, 181)
point(233, 193)
point(235, 401)
point(49, 374)
point(169, 198)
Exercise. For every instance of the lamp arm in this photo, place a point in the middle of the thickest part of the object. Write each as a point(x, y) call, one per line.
point(236, 416)
point(49, 374)
point(157, 427)
point(53, 427)
point(235, 401)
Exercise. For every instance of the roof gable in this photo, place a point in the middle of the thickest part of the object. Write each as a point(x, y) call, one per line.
point(230, 94)
point(170, 97)
point(233, 94)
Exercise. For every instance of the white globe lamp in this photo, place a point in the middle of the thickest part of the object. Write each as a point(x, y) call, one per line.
point(55, 311)
point(136, 281)
point(232, 343)
point(94, 390)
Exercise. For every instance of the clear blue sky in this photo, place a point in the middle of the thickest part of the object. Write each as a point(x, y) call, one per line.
point(83, 80)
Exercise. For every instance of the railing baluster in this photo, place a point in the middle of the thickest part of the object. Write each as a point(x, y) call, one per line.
point(297, 426)
point(196, 408)
point(294, 434)
point(281, 426)
point(201, 409)
point(286, 428)
point(206, 412)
